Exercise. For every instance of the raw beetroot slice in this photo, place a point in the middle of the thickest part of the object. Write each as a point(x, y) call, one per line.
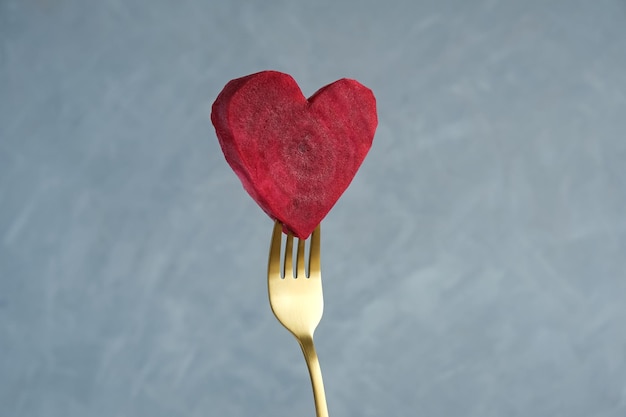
point(295, 157)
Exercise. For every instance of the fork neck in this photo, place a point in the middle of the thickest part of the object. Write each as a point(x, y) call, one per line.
point(312, 362)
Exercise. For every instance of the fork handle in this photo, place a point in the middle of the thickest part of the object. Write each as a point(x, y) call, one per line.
point(313, 363)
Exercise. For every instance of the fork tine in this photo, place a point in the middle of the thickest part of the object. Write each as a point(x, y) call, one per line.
point(273, 265)
point(314, 254)
point(300, 261)
point(289, 256)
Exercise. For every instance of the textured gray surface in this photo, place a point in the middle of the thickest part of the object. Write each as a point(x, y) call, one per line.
point(476, 266)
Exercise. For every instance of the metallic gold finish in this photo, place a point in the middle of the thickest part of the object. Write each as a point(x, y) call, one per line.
point(297, 301)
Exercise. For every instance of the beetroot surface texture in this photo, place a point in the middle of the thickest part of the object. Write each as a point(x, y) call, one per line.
point(294, 156)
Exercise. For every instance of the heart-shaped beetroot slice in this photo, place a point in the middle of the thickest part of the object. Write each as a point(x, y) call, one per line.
point(295, 157)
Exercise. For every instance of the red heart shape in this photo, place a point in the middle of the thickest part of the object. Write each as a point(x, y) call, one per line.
point(295, 157)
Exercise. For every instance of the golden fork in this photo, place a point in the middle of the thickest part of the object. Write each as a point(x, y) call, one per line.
point(297, 301)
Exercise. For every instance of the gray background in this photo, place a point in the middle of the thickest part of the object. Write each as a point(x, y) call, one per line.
point(475, 267)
